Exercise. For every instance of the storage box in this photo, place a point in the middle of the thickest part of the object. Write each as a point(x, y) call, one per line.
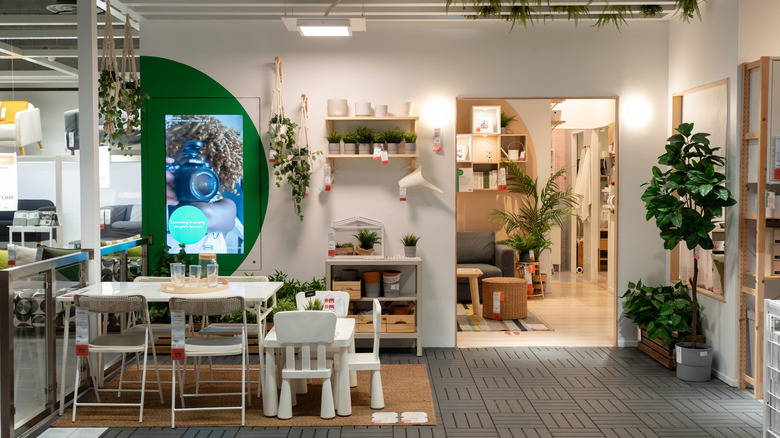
point(401, 323)
point(775, 267)
point(353, 287)
point(365, 324)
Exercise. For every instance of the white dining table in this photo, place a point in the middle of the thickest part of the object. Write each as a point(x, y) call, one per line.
point(344, 338)
point(253, 292)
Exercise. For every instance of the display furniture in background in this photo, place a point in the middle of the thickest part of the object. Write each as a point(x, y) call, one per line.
point(472, 274)
point(406, 325)
point(131, 140)
point(370, 361)
point(20, 125)
point(512, 302)
point(771, 387)
point(345, 231)
point(120, 221)
point(537, 286)
point(7, 218)
point(478, 249)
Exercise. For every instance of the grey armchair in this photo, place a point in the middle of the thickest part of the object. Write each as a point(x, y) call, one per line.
point(478, 249)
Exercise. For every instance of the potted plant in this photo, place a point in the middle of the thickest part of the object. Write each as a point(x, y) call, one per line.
point(367, 241)
point(334, 142)
point(350, 143)
point(315, 304)
point(684, 200)
point(393, 137)
point(411, 142)
point(410, 244)
point(505, 119)
point(524, 244)
point(346, 248)
point(365, 136)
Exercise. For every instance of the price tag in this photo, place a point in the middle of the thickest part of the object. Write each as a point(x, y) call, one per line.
point(272, 156)
point(11, 254)
point(377, 152)
point(384, 157)
point(82, 331)
point(402, 193)
point(332, 243)
point(437, 139)
point(531, 254)
point(177, 335)
point(71, 139)
point(39, 253)
point(307, 192)
point(678, 354)
point(502, 179)
point(414, 417)
point(498, 297)
point(329, 305)
point(2, 114)
point(384, 417)
point(327, 177)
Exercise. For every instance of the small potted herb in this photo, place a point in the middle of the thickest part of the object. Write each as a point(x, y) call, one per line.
point(411, 142)
point(365, 136)
point(410, 244)
point(315, 304)
point(367, 241)
point(334, 142)
point(350, 143)
point(505, 120)
point(346, 248)
point(393, 137)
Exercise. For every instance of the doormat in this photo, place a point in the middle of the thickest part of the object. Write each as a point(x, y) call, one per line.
point(406, 389)
point(476, 323)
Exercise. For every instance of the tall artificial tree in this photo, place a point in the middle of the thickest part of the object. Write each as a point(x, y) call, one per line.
point(686, 198)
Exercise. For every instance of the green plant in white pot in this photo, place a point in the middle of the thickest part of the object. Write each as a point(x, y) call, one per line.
point(410, 244)
point(393, 137)
point(684, 200)
point(411, 142)
point(350, 143)
point(334, 142)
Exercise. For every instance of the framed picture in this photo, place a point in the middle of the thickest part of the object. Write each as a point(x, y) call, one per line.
point(485, 119)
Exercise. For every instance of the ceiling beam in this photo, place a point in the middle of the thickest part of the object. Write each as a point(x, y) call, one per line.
point(119, 10)
point(45, 20)
point(34, 76)
point(46, 34)
point(15, 52)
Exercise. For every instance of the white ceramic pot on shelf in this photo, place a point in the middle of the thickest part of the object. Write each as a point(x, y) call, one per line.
point(362, 109)
point(380, 111)
point(406, 109)
point(338, 108)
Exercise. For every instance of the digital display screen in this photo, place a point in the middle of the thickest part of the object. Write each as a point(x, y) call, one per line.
point(204, 174)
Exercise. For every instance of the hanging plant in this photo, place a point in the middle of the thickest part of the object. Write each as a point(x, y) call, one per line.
point(650, 11)
point(613, 15)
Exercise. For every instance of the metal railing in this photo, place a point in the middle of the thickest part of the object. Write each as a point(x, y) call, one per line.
point(9, 426)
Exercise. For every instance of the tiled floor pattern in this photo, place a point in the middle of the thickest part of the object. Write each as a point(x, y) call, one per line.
point(543, 392)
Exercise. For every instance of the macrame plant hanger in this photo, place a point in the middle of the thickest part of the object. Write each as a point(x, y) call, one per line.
point(128, 62)
point(303, 143)
point(277, 109)
point(108, 63)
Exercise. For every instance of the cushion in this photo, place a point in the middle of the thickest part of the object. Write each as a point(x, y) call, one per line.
point(7, 131)
point(25, 255)
point(3, 259)
point(71, 272)
point(135, 213)
point(11, 107)
point(476, 247)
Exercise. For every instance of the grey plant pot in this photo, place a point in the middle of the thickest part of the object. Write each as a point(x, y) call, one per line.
point(693, 365)
point(410, 148)
point(364, 148)
point(334, 148)
point(392, 148)
point(410, 251)
point(350, 148)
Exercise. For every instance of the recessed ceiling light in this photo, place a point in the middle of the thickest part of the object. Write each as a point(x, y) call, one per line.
point(325, 27)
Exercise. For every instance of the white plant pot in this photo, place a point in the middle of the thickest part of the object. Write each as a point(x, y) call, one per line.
point(363, 109)
point(380, 111)
point(350, 148)
point(410, 148)
point(334, 148)
point(410, 251)
point(406, 109)
point(338, 108)
point(392, 148)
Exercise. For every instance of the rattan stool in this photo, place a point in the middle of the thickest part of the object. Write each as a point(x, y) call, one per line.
point(515, 304)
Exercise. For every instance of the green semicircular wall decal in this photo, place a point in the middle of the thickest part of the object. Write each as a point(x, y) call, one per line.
point(178, 89)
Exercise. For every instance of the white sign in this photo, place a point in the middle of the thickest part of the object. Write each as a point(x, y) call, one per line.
point(8, 186)
point(384, 417)
point(82, 331)
point(177, 335)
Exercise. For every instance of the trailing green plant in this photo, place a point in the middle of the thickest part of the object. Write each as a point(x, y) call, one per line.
point(650, 11)
point(367, 238)
point(364, 134)
point(345, 245)
point(315, 304)
point(573, 13)
point(393, 135)
point(350, 137)
point(119, 105)
point(686, 197)
point(410, 137)
point(410, 239)
point(538, 210)
point(163, 268)
point(687, 8)
point(665, 312)
point(333, 137)
point(506, 119)
point(291, 163)
point(614, 15)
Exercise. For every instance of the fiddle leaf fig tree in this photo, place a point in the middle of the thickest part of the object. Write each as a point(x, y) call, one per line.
point(685, 198)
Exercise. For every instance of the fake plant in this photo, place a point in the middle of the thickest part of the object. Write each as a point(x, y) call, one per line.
point(367, 238)
point(686, 198)
point(665, 312)
point(538, 211)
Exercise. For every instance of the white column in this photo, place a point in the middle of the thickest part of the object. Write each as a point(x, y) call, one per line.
point(88, 133)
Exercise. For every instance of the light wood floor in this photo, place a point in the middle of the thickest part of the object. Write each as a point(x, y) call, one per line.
point(581, 315)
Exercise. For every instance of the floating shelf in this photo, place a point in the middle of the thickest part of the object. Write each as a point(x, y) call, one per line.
point(369, 118)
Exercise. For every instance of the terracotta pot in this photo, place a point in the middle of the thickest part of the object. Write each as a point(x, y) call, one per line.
point(372, 276)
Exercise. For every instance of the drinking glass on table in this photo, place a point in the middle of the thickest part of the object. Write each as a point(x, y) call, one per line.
point(212, 274)
point(195, 272)
point(177, 274)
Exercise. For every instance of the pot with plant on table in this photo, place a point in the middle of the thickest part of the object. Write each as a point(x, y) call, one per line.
point(685, 199)
point(367, 241)
point(410, 244)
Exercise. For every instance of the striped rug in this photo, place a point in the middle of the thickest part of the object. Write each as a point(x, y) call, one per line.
point(475, 323)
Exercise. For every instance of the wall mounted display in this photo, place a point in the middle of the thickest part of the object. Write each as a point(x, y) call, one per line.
point(485, 119)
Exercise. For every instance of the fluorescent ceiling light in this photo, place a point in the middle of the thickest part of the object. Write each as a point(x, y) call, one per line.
point(328, 27)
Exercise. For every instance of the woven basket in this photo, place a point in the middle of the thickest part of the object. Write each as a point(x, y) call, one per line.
point(515, 304)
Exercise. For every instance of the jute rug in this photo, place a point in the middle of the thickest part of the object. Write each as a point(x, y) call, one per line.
point(476, 323)
point(406, 389)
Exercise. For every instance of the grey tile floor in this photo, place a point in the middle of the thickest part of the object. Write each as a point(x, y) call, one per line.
point(542, 392)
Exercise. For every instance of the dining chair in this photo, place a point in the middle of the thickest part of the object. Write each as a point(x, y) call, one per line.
point(370, 362)
point(199, 347)
point(124, 342)
point(310, 333)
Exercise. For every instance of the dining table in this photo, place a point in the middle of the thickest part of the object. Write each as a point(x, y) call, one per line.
point(254, 292)
point(343, 340)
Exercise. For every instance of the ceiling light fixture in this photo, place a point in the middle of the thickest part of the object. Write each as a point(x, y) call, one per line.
point(325, 27)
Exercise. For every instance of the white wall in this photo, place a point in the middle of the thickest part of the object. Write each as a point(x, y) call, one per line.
point(759, 34)
point(586, 113)
point(428, 63)
point(700, 53)
point(52, 104)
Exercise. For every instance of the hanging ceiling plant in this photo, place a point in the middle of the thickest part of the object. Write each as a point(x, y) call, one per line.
point(523, 11)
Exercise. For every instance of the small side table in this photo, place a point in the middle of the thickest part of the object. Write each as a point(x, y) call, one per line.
point(473, 274)
point(515, 303)
point(33, 229)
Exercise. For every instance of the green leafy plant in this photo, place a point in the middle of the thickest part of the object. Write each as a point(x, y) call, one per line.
point(345, 245)
point(686, 197)
point(393, 135)
point(614, 15)
point(410, 239)
point(350, 137)
point(650, 11)
point(163, 268)
point(506, 119)
point(538, 210)
point(119, 105)
point(379, 137)
point(367, 238)
point(665, 312)
point(292, 163)
point(523, 243)
point(410, 137)
point(573, 13)
point(333, 137)
point(315, 304)
point(285, 296)
point(364, 134)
